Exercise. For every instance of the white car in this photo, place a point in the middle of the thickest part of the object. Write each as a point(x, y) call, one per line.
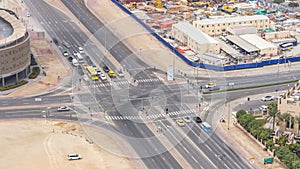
point(28, 14)
point(120, 73)
point(103, 77)
point(263, 108)
point(210, 85)
point(80, 49)
point(267, 98)
point(187, 119)
point(75, 53)
point(63, 108)
point(73, 156)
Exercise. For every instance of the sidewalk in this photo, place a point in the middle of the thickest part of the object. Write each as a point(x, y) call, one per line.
point(241, 142)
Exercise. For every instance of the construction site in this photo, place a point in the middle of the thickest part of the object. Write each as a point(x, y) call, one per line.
point(229, 27)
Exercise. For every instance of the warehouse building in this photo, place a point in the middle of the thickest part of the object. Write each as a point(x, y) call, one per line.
point(219, 26)
point(241, 30)
point(265, 47)
point(195, 39)
point(14, 49)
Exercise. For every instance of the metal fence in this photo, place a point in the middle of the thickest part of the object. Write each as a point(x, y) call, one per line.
point(202, 65)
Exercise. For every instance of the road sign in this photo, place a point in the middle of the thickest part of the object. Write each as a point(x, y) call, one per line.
point(268, 160)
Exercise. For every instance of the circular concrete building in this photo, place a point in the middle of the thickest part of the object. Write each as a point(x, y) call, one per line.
point(14, 49)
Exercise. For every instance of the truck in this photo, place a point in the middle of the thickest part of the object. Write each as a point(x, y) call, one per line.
point(227, 8)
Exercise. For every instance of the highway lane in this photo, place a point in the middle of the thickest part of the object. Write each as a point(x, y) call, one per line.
point(117, 48)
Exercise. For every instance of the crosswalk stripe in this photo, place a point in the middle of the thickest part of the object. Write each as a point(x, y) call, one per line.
point(121, 117)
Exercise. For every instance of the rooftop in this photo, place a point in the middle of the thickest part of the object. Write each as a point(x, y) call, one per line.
point(194, 33)
point(257, 41)
point(5, 29)
point(231, 19)
point(242, 43)
point(18, 28)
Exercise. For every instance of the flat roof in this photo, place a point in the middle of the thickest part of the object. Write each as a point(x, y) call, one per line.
point(257, 41)
point(194, 33)
point(229, 50)
point(242, 43)
point(231, 19)
point(18, 28)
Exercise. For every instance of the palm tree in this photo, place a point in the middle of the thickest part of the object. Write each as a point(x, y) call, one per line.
point(285, 118)
point(297, 118)
point(272, 113)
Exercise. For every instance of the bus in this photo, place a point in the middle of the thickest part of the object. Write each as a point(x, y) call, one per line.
point(206, 127)
point(286, 46)
point(92, 73)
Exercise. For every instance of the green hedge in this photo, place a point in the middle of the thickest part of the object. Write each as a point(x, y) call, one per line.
point(251, 87)
point(35, 72)
point(13, 85)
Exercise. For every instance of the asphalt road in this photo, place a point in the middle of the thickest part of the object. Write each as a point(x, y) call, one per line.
point(60, 27)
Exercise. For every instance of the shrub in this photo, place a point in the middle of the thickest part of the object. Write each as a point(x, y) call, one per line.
point(12, 86)
point(35, 72)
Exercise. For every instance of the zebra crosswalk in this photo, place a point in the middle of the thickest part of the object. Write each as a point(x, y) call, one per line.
point(150, 116)
point(122, 83)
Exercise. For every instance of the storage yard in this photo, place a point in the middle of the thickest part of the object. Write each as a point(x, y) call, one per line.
point(221, 34)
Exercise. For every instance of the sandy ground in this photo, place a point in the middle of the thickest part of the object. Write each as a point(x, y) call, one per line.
point(45, 144)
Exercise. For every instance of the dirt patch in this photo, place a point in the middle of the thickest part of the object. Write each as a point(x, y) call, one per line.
point(45, 144)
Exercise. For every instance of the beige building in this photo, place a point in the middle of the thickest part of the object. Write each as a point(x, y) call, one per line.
point(265, 47)
point(290, 103)
point(218, 26)
point(198, 41)
point(14, 49)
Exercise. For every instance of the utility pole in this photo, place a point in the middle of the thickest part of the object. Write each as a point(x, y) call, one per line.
point(228, 115)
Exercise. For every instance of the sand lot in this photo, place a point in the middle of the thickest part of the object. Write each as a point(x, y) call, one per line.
point(40, 144)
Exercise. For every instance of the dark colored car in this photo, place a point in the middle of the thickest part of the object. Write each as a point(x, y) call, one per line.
point(105, 69)
point(70, 59)
point(198, 119)
point(214, 88)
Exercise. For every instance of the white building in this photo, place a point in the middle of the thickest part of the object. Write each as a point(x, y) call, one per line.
point(195, 39)
point(264, 46)
point(242, 29)
point(218, 26)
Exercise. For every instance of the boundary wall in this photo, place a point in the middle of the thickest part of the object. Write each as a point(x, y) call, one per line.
point(202, 65)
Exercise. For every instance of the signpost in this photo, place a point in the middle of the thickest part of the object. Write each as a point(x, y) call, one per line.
point(170, 73)
point(269, 160)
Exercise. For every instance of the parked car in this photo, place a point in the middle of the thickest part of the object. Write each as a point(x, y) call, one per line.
point(99, 72)
point(73, 156)
point(263, 108)
point(111, 74)
point(105, 69)
point(63, 108)
point(70, 59)
point(267, 98)
point(198, 119)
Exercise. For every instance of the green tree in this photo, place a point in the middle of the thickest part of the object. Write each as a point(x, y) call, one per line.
point(282, 140)
point(272, 113)
point(278, 1)
point(240, 113)
point(245, 120)
point(293, 5)
point(285, 118)
point(270, 144)
point(265, 134)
